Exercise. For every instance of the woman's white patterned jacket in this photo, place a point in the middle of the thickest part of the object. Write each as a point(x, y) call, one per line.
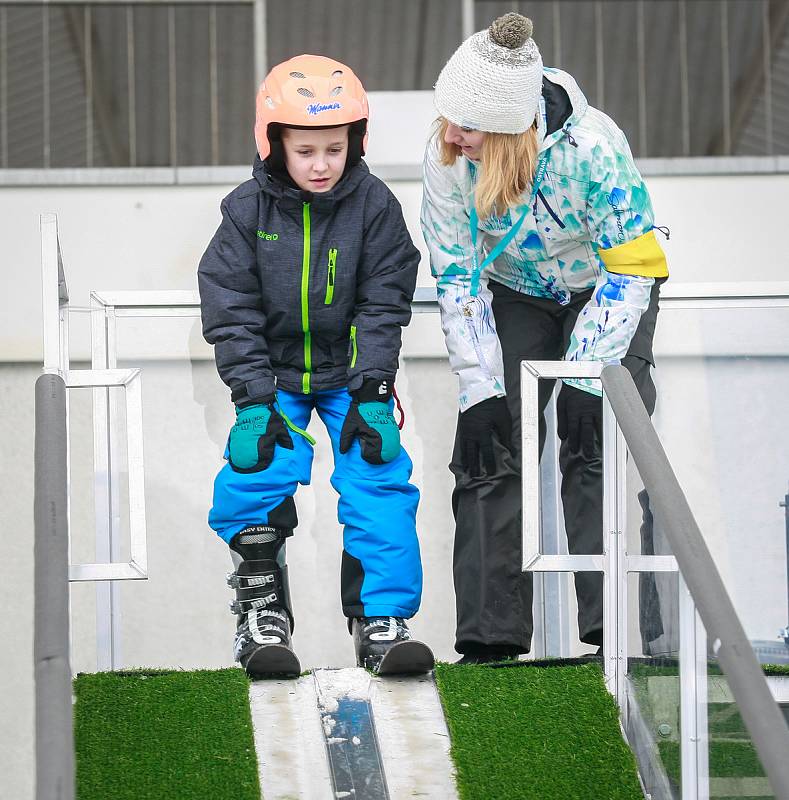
point(590, 225)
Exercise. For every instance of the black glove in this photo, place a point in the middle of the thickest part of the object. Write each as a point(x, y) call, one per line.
point(579, 418)
point(258, 428)
point(370, 418)
point(476, 428)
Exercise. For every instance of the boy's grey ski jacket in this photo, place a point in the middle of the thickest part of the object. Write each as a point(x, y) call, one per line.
point(305, 291)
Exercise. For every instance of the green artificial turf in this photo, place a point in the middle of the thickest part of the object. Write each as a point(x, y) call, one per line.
point(156, 735)
point(535, 732)
point(731, 753)
point(671, 667)
point(776, 670)
point(727, 760)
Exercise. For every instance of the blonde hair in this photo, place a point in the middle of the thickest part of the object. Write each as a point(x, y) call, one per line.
point(508, 162)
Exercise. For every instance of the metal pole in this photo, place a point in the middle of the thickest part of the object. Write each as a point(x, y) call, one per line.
point(684, 79)
point(615, 575)
point(47, 154)
point(642, 80)
point(54, 728)
point(599, 50)
point(785, 505)
point(726, 75)
point(730, 645)
point(173, 86)
point(768, 77)
point(260, 44)
point(90, 149)
point(131, 86)
point(3, 88)
point(556, 616)
point(213, 84)
point(467, 18)
point(694, 743)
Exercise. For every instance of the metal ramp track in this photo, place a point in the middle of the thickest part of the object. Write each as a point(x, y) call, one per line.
point(304, 727)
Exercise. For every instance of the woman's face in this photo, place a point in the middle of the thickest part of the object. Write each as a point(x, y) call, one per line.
point(467, 139)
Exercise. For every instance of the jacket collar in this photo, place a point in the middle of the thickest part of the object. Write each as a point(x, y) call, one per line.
point(291, 197)
point(561, 107)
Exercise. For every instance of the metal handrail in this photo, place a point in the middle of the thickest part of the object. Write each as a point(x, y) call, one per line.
point(730, 645)
point(54, 729)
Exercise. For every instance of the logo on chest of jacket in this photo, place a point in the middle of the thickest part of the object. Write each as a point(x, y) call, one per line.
point(268, 236)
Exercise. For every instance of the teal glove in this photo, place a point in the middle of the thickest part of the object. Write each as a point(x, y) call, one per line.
point(370, 418)
point(258, 428)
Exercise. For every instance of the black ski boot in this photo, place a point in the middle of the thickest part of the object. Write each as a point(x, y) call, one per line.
point(385, 647)
point(262, 604)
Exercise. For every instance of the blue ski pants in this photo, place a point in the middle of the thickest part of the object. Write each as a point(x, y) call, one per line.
point(381, 572)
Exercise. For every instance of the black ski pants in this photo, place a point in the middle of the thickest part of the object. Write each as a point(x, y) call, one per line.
point(493, 596)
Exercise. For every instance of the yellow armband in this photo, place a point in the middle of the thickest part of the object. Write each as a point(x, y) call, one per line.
point(642, 256)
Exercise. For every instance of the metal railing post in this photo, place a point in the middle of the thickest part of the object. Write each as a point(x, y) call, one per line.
point(694, 727)
point(784, 504)
point(54, 727)
point(615, 573)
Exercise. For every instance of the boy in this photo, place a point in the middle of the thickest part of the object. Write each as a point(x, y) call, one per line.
point(304, 290)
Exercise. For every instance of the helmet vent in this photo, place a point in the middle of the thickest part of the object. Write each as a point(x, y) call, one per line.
point(298, 75)
point(269, 102)
point(336, 73)
point(304, 92)
point(335, 91)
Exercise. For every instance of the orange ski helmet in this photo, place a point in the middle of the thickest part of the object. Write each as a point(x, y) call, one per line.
point(309, 92)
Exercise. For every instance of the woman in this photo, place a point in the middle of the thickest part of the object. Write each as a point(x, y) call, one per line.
point(540, 231)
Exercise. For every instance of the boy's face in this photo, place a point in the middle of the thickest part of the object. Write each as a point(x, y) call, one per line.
point(315, 159)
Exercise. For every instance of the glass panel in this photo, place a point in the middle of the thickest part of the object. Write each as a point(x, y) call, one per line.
point(67, 81)
point(734, 767)
point(652, 716)
point(110, 85)
point(83, 497)
point(723, 378)
point(390, 46)
point(662, 80)
point(24, 59)
point(236, 83)
point(192, 67)
point(748, 91)
point(152, 85)
point(705, 80)
point(541, 13)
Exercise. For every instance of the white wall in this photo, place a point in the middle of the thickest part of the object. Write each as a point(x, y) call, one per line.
point(723, 423)
point(723, 228)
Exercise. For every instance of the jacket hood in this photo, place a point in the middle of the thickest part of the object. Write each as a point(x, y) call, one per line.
point(563, 103)
point(347, 184)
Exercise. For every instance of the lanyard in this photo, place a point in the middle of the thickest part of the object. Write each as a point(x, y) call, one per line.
point(476, 271)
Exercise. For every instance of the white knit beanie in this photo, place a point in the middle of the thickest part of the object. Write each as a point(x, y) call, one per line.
point(494, 79)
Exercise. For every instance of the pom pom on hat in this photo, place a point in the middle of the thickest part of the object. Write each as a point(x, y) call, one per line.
point(493, 80)
point(512, 30)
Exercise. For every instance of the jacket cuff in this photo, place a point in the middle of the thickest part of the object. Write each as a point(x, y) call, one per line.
point(261, 390)
point(591, 385)
point(356, 380)
point(374, 390)
point(481, 391)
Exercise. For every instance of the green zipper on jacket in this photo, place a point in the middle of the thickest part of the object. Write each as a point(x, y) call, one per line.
point(330, 276)
point(305, 301)
point(354, 351)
